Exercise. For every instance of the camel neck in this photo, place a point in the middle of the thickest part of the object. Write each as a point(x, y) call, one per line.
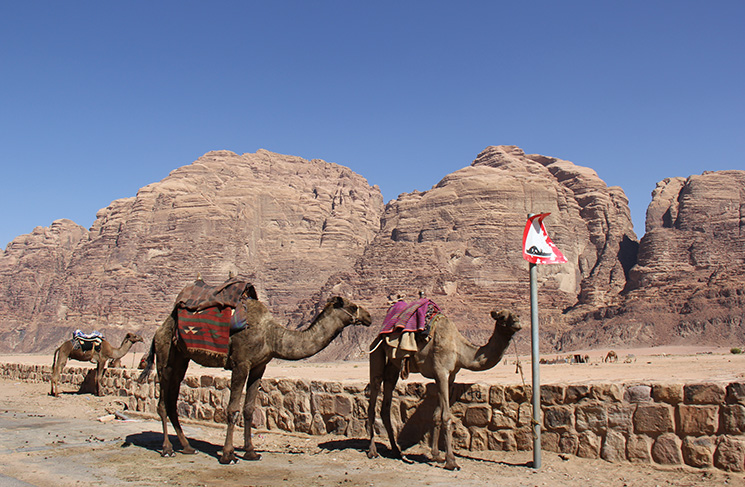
point(296, 345)
point(488, 355)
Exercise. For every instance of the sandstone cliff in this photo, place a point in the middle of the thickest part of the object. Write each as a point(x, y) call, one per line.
point(303, 230)
point(689, 283)
point(461, 243)
point(285, 222)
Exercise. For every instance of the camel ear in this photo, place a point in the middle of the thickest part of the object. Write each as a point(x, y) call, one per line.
point(337, 302)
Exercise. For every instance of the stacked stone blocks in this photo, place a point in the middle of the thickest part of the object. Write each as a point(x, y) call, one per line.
point(700, 424)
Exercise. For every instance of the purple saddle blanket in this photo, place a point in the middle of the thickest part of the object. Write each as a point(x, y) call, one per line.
point(414, 316)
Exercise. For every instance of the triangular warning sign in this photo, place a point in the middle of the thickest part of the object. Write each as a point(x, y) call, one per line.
point(537, 245)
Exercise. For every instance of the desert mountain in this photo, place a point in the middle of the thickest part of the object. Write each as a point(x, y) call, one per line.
point(303, 230)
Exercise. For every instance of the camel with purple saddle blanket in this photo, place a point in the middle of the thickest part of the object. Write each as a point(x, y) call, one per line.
point(405, 326)
point(438, 355)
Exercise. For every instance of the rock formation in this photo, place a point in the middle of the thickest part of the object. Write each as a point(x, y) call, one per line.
point(302, 230)
point(689, 283)
point(461, 243)
point(285, 222)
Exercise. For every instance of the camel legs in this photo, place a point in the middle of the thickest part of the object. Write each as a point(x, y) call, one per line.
point(237, 380)
point(252, 389)
point(377, 366)
point(58, 365)
point(443, 417)
point(170, 382)
point(100, 367)
point(390, 378)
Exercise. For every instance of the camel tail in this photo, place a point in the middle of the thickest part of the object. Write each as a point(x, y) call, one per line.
point(149, 361)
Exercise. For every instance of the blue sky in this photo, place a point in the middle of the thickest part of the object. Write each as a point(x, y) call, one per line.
point(98, 99)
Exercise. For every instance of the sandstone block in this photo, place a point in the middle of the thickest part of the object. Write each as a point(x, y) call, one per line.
point(471, 393)
point(568, 443)
point(592, 417)
point(614, 447)
point(730, 454)
point(478, 415)
point(303, 422)
point(499, 421)
point(638, 393)
point(479, 439)
point(666, 449)
point(589, 445)
point(696, 420)
point(576, 393)
point(496, 395)
point(736, 392)
point(502, 440)
point(607, 392)
point(698, 451)
point(461, 437)
point(550, 441)
point(638, 449)
point(668, 393)
point(733, 419)
point(558, 418)
point(704, 394)
point(524, 439)
point(653, 419)
point(552, 394)
point(517, 393)
point(620, 417)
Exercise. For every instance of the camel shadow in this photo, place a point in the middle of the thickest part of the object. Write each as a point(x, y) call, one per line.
point(361, 445)
point(153, 440)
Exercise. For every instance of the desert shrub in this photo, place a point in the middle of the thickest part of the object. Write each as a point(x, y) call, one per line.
point(735, 350)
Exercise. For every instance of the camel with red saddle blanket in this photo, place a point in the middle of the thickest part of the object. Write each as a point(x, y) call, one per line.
point(195, 331)
point(438, 353)
point(88, 348)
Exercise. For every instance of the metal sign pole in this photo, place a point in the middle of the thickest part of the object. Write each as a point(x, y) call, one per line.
point(535, 362)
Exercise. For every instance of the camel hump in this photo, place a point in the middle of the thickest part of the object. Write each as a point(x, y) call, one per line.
point(200, 295)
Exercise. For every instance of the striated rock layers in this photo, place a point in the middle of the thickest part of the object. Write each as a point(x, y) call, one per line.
point(461, 244)
point(304, 230)
point(285, 222)
point(689, 283)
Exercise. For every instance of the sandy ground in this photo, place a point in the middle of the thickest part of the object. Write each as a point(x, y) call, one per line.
point(60, 441)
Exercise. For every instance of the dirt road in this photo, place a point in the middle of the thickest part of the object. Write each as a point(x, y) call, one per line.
point(60, 441)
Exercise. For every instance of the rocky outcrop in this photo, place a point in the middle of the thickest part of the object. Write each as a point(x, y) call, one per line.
point(284, 222)
point(303, 230)
point(689, 282)
point(461, 244)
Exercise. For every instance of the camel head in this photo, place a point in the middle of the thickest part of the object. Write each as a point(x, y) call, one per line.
point(359, 315)
point(507, 321)
point(131, 337)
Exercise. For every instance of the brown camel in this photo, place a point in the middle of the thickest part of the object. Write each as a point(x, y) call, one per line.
point(98, 355)
point(611, 356)
point(250, 350)
point(446, 352)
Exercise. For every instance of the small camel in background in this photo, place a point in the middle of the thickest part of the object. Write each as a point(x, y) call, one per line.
point(611, 356)
point(99, 355)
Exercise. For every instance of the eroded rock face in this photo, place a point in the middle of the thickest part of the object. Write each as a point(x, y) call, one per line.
point(689, 283)
point(302, 231)
point(461, 243)
point(285, 222)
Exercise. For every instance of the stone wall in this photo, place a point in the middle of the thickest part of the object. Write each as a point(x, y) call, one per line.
point(701, 425)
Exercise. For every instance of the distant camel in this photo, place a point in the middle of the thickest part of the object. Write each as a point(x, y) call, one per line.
point(98, 355)
point(611, 357)
point(446, 352)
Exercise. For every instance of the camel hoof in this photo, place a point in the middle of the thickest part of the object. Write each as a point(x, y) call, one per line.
point(229, 459)
point(189, 451)
point(452, 466)
point(252, 456)
point(372, 454)
point(167, 454)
